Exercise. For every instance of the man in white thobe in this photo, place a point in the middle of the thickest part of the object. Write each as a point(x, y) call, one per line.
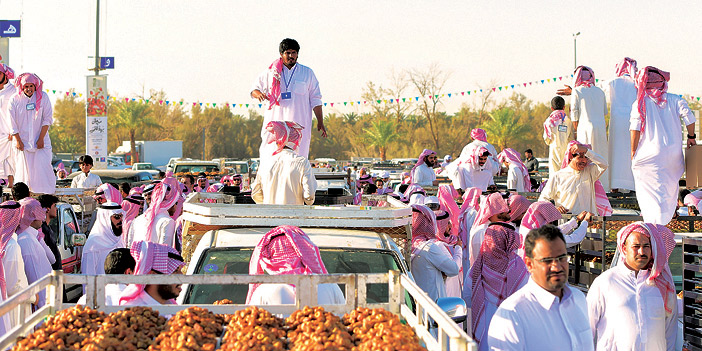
point(494, 210)
point(11, 256)
point(573, 187)
point(473, 169)
point(153, 258)
point(621, 93)
point(479, 137)
point(36, 262)
point(558, 130)
point(656, 144)
point(105, 236)
point(633, 304)
point(31, 116)
point(517, 173)
point(546, 314)
point(156, 224)
point(7, 150)
point(287, 178)
point(293, 94)
point(423, 171)
point(587, 110)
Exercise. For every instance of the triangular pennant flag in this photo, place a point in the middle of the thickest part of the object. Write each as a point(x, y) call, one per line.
point(468, 92)
point(554, 79)
point(133, 99)
point(378, 101)
point(214, 104)
point(81, 94)
point(436, 96)
point(233, 105)
point(500, 88)
point(344, 103)
point(449, 94)
point(463, 93)
point(247, 105)
point(325, 104)
point(493, 89)
point(167, 102)
point(416, 98)
point(529, 83)
point(548, 80)
point(597, 80)
point(512, 86)
point(698, 98)
point(358, 102)
point(560, 78)
point(68, 92)
point(351, 103)
point(332, 104)
point(201, 104)
point(542, 81)
point(147, 101)
point(54, 91)
point(259, 105)
point(181, 102)
point(481, 90)
point(160, 102)
point(194, 103)
point(391, 100)
point(126, 99)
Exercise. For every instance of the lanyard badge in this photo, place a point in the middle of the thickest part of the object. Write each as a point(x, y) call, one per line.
point(30, 106)
point(287, 95)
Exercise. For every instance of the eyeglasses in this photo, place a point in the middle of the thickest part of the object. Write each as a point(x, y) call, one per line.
point(579, 155)
point(562, 259)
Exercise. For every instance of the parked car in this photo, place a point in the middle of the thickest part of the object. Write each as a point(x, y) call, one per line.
point(228, 251)
point(134, 178)
point(145, 166)
point(195, 167)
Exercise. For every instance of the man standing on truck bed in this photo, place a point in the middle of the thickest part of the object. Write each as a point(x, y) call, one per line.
point(286, 179)
point(292, 91)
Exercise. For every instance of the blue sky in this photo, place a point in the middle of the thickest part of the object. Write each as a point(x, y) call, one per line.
point(212, 51)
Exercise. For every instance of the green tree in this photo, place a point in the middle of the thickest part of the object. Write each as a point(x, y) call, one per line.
point(504, 128)
point(380, 135)
point(135, 116)
point(68, 131)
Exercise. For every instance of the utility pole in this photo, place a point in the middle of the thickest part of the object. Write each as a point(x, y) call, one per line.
point(575, 49)
point(96, 106)
point(97, 39)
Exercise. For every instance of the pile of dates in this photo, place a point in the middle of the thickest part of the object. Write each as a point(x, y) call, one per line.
point(132, 329)
point(64, 331)
point(193, 328)
point(312, 328)
point(254, 329)
point(379, 329)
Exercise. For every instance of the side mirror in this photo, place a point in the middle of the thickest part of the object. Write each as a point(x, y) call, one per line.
point(78, 239)
point(454, 307)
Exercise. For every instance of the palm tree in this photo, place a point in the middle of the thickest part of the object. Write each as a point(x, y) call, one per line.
point(504, 127)
point(133, 116)
point(380, 135)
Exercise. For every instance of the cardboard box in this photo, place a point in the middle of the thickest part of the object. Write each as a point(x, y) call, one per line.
point(693, 166)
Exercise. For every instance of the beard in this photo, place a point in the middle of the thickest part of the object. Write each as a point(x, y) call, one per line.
point(504, 216)
point(116, 230)
point(168, 292)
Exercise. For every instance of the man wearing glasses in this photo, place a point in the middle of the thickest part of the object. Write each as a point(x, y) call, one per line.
point(546, 314)
point(573, 188)
point(105, 236)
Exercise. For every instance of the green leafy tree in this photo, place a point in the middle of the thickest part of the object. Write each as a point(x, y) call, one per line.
point(135, 116)
point(381, 135)
point(504, 128)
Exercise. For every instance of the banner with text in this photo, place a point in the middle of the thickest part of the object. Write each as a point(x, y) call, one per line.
point(96, 121)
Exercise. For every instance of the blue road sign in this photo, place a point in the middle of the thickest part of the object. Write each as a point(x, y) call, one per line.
point(9, 29)
point(107, 62)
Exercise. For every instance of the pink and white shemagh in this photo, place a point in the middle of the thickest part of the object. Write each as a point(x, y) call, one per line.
point(518, 205)
point(512, 156)
point(7, 71)
point(9, 220)
point(653, 83)
point(285, 249)
point(30, 78)
point(284, 134)
point(662, 245)
point(626, 67)
point(604, 208)
point(150, 257)
point(555, 118)
point(539, 214)
point(447, 195)
point(424, 226)
point(109, 193)
point(276, 70)
point(494, 204)
point(584, 76)
point(479, 134)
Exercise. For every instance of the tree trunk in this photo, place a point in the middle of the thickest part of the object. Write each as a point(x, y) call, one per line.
point(382, 153)
point(135, 157)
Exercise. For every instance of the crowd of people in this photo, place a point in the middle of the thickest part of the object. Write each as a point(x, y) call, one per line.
point(504, 255)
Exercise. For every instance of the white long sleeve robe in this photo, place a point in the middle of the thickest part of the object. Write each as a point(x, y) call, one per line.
point(163, 230)
point(626, 313)
point(589, 107)
point(284, 294)
point(658, 162)
point(96, 249)
point(575, 190)
point(561, 135)
point(286, 179)
point(305, 96)
point(15, 276)
point(428, 264)
point(515, 178)
point(7, 149)
point(36, 264)
point(33, 166)
point(423, 175)
point(621, 93)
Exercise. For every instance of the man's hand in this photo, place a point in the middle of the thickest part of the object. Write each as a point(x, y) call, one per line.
point(565, 91)
point(562, 209)
point(578, 149)
point(258, 95)
point(40, 143)
point(320, 126)
point(9, 137)
point(691, 142)
point(19, 144)
point(584, 216)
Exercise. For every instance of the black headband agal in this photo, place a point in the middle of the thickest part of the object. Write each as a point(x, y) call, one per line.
point(13, 205)
point(110, 207)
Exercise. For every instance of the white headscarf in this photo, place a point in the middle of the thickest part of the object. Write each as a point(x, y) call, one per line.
point(102, 236)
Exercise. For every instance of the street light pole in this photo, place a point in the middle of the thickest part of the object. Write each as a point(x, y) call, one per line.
point(575, 49)
point(97, 39)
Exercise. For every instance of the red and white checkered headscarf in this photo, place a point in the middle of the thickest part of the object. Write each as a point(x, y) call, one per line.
point(109, 193)
point(31, 211)
point(447, 195)
point(285, 249)
point(662, 245)
point(276, 70)
point(584, 76)
point(132, 206)
point(494, 204)
point(9, 220)
point(284, 134)
point(555, 118)
point(478, 134)
point(424, 226)
point(7, 71)
point(498, 270)
point(626, 67)
point(651, 82)
point(30, 78)
point(511, 156)
point(471, 199)
point(225, 178)
point(539, 214)
point(518, 205)
point(422, 159)
point(604, 208)
point(165, 195)
point(150, 257)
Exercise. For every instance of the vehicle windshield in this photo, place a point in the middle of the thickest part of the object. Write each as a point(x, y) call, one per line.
point(144, 166)
point(237, 168)
point(236, 261)
point(195, 168)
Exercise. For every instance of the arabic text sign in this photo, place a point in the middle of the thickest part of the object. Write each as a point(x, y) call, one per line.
point(107, 62)
point(9, 29)
point(96, 120)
